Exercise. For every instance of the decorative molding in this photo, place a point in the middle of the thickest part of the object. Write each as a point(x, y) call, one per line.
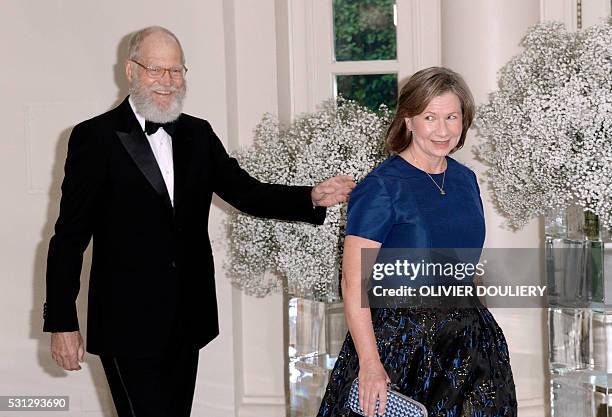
point(271, 400)
point(262, 411)
point(565, 11)
point(258, 354)
point(238, 354)
point(365, 67)
point(300, 59)
point(415, 25)
point(594, 11)
point(533, 407)
point(231, 69)
point(262, 406)
point(323, 63)
point(208, 402)
point(284, 41)
point(419, 45)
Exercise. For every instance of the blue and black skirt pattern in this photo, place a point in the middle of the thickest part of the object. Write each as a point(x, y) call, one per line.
point(454, 361)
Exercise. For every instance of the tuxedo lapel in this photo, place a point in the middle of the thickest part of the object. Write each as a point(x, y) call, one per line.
point(136, 144)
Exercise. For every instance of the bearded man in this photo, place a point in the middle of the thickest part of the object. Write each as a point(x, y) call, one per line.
point(139, 179)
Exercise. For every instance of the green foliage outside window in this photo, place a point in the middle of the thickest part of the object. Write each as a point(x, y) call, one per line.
point(364, 30)
point(369, 90)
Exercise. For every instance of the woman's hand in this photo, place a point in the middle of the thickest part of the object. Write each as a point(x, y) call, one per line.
point(372, 376)
point(373, 380)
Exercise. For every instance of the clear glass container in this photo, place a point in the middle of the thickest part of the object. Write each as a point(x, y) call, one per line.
point(579, 278)
point(316, 330)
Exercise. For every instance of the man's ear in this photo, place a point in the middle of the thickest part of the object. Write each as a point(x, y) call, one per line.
point(128, 70)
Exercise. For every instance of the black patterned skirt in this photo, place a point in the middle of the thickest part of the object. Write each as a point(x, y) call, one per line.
point(454, 361)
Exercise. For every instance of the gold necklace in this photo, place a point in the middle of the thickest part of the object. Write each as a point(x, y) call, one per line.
point(441, 188)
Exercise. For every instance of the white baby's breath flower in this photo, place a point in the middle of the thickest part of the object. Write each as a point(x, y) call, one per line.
point(547, 130)
point(341, 138)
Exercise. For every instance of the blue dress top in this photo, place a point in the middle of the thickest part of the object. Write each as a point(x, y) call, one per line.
point(398, 205)
point(454, 360)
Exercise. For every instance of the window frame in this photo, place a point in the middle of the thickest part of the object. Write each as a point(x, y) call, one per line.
point(312, 69)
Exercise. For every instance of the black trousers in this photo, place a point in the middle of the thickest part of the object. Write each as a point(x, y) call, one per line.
point(159, 386)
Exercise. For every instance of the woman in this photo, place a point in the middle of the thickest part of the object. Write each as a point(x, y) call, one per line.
point(455, 360)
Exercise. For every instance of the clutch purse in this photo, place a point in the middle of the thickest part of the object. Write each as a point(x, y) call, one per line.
point(398, 405)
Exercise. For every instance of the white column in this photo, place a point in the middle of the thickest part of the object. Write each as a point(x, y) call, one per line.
point(252, 89)
point(478, 39)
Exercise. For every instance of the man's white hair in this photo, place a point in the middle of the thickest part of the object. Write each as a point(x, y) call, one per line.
point(138, 37)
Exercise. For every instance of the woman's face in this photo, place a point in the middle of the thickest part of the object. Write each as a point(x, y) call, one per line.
point(437, 130)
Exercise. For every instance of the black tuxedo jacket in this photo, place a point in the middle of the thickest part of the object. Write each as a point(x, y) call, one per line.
point(152, 273)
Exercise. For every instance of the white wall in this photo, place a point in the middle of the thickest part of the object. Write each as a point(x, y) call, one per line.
point(59, 66)
point(258, 323)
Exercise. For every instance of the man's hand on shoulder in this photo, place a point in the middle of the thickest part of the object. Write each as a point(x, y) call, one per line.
point(332, 191)
point(68, 349)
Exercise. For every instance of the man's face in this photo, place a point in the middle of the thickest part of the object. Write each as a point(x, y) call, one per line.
point(157, 99)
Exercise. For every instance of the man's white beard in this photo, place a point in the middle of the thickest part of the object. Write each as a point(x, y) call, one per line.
point(146, 106)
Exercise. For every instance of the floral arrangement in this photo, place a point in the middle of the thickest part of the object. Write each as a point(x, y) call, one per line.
point(548, 129)
point(340, 138)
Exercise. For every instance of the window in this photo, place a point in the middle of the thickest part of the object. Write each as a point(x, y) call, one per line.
point(361, 49)
point(365, 30)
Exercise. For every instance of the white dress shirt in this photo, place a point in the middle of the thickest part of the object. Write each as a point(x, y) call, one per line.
point(161, 144)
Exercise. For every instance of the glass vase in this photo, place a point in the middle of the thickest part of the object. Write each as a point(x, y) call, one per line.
point(316, 330)
point(579, 278)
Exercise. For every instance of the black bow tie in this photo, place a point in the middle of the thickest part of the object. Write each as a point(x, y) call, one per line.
point(151, 127)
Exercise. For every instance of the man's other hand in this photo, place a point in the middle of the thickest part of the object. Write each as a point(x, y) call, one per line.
point(67, 349)
point(332, 191)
